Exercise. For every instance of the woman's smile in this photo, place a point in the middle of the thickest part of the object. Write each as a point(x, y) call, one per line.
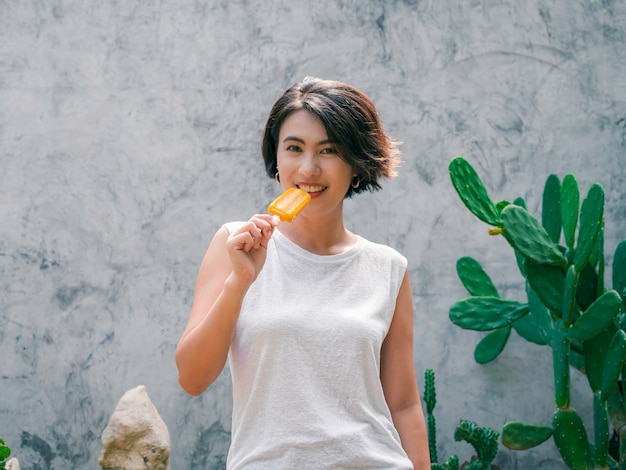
point(314, 190)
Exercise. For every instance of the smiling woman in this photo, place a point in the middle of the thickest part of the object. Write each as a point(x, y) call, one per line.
point(315, 321)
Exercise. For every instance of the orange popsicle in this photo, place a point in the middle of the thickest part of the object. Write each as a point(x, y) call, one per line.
point(289, 204)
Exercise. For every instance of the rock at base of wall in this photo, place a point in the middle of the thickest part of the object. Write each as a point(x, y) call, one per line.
point(136, 437)
point(13, 464)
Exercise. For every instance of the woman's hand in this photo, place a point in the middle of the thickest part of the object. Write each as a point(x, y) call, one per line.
point(247, 247)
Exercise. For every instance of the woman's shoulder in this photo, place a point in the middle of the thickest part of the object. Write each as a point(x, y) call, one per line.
point(383, 251)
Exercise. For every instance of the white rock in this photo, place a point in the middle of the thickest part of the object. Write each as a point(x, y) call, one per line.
point(136, 437)
point(13, 464)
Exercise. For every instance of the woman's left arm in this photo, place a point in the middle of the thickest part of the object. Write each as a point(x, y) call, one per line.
point(397, 375)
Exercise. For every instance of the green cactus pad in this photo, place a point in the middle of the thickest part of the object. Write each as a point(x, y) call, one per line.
point(474, 278)
point(596, 352)
point(520, 436)
point(518, 201)
point(527, 236)
point(570, 438)
point(601, 432)
point(472, 192)
point(486, 313)
point(492, 345)
point(576, 358)
point(551, 208)
point(519, 258)
point(548, 281)
point(570, 199)
point(619, 268)
point(587, 291)
point(591, 214)
point(528, 328)
point(613, 366)
point(501, 205)
point(569, 296)
point(541, 316)
point(597, 317)
point(597, 254)
point(561, 368)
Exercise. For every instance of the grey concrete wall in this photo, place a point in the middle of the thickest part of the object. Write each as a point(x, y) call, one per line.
point(129, 131)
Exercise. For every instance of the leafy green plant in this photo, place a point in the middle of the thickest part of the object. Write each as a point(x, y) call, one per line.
point(483, 440)
point(5, 452)
point(569, 309)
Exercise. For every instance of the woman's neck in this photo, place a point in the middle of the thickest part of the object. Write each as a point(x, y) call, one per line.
point(329, 237)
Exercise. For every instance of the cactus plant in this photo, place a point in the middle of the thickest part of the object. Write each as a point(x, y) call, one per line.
point(430, 399)
point(5, 452)
point(568, 309)
point(484, 440)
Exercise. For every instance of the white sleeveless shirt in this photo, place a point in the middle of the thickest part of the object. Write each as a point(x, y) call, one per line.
point(305, 361)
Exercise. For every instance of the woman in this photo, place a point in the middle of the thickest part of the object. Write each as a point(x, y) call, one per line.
point(316, 322)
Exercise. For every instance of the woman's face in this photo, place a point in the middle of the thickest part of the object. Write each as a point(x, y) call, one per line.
point(308, 160)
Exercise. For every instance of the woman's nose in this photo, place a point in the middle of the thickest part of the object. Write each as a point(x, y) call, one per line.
point(310, 165)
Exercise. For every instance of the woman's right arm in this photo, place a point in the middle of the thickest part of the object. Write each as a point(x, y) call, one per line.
point(231, 264)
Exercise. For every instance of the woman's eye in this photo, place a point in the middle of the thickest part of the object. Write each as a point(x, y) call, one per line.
point(293, 148)
point(328, 151)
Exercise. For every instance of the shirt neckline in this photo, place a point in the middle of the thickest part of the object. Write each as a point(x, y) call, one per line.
point(281, 239)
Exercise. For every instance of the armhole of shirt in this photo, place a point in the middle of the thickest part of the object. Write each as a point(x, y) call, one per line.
point(232, 226)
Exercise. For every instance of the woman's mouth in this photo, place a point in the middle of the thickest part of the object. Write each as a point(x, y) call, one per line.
point(311, 188)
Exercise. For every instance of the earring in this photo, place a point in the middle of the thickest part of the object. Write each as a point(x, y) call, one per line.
point(356, 182)
point(277, 178)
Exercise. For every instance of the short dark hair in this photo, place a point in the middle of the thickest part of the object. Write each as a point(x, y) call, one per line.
point(351, 121)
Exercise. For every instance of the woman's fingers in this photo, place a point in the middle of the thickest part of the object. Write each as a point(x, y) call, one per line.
point(254, 234)
point(260, 227)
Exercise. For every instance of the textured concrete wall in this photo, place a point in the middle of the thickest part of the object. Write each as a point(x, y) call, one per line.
point(129, 131)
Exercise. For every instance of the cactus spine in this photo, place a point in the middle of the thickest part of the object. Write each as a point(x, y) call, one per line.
point(568, 309)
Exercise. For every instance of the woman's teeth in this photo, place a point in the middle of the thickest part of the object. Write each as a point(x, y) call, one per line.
point(312, 189)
